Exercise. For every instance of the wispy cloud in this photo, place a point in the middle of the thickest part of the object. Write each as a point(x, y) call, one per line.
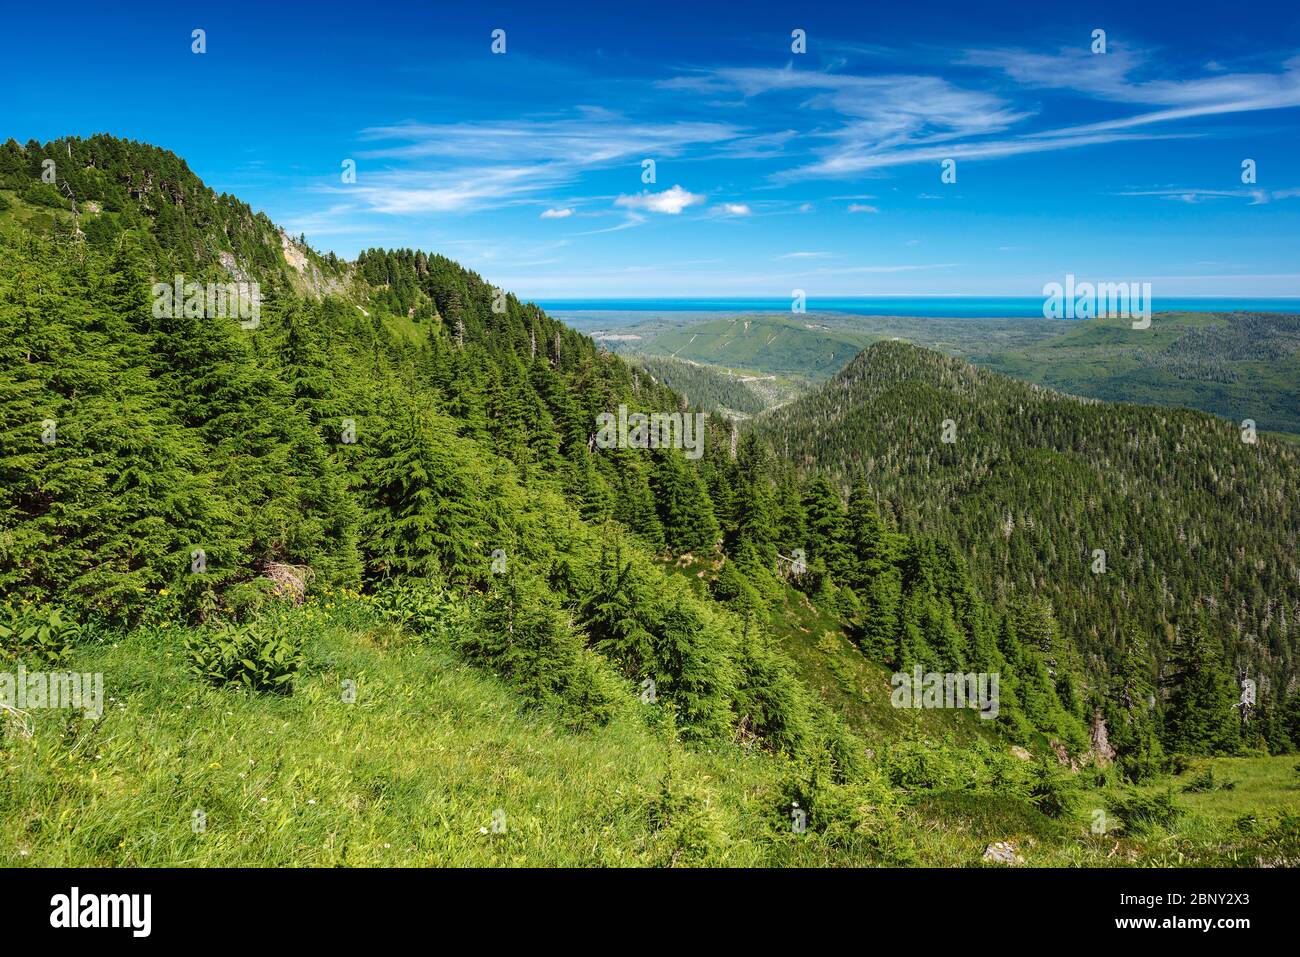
point(852, 270)
point(1257, 197)
point(632, 220)
point(901, 119)
point(457, 167)
point(1116, 76)
point(881, 114)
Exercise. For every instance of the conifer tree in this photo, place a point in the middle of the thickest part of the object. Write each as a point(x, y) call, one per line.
point(826, 524)
point(424, 513)
point(1200, 710)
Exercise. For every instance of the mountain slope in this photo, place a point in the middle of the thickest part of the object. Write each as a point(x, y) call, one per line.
point(395, 474)
point(101, 188)
point(1197, 525)
point(177, 465)
point(1237, 365)
point(710, 388)
point(762, 343)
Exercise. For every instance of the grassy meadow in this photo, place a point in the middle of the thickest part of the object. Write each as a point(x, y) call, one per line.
point(437, 763)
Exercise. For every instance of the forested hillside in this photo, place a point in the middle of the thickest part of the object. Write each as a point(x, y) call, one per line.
point(710, 388)
point(186, 467)
point(400, 431)
point(1237, 365)
point(102, 188)
point(1197, 519)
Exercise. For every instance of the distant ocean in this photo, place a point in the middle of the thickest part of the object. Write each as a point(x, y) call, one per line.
point(934, 307)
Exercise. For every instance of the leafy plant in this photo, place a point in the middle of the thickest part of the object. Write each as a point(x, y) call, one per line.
point(426, 610)
point(39, 632)
point(261, 656)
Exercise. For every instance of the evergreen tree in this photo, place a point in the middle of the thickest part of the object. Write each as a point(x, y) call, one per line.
point(1200, 711)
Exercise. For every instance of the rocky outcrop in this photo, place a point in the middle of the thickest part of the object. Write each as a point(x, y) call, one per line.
point(1002, 852)
point(1102, 753)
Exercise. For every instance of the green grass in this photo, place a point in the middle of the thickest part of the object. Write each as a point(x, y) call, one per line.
point(410, 774)
point(413, 771)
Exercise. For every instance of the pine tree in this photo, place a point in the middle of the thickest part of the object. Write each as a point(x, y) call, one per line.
point(827, 527)
point(1200, 711)
point(424, 514)
point(684, 509)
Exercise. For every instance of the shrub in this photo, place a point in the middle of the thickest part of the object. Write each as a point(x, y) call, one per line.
point(1206, 782)
point(261, 656)
point(38, 632)
point(593, 693)
point(44, 194)
point(1052, 790)
point(686, 826)
point(770, 701)
point(1179, 763)
point(526, 637)
point(862, 815)
point(1145, 765)
point(675, 640)
point(732, 588)
point(426, 610)
point(919, 765)
point(246, 600)
point(1143, 812)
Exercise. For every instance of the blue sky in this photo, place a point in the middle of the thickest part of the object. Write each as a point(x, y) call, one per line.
point(774, 170)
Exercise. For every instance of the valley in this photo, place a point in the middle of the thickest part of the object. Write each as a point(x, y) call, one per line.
point(1237, 365)
point(366, 587)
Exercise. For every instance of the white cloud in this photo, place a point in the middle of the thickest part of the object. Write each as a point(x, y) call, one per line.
point(862, 208)
point(897, 119)
point(562, 213)
point(633, 219)
point(483, 165)
point(851, 270)
point(736, 209)
point(1257, 197)
point(1111, 77)
point(595, 137)
point(671, 201)
point(413, 192)
point(881, 113)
